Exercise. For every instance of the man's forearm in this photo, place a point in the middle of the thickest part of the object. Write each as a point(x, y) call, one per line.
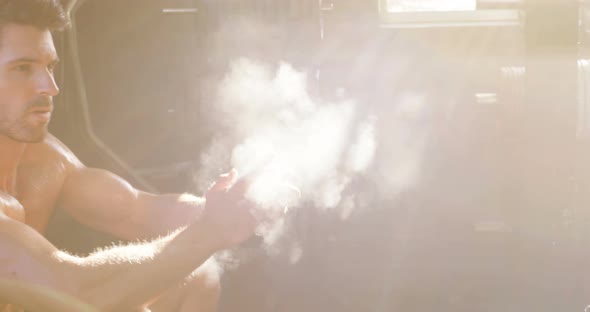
point(157, 215)
point(128, 276)
point(120, 278)
point(111, 279)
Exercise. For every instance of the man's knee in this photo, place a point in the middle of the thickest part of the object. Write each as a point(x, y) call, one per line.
point(200, 291)
point(206, 279)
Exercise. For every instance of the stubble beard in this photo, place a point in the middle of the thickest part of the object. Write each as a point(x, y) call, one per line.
point(20, 131)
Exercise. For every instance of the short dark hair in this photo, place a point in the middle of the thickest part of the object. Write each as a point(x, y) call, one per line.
point(43, 14)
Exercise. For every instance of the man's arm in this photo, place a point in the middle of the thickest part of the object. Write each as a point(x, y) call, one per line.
point(106, 202)
point(127, 277)
point(121, 278)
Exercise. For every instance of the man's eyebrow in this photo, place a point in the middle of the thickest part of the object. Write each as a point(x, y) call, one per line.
point(23, 60)
point(31, 60)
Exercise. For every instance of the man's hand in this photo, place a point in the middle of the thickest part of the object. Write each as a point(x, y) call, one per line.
point(227, 213)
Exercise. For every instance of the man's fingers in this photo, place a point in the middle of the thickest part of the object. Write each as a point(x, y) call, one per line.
point(224, 181)
point(239, 188)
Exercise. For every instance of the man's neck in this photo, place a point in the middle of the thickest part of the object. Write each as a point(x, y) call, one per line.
point(11, 152)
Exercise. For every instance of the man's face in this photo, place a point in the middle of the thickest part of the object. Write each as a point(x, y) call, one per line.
point(27, 86)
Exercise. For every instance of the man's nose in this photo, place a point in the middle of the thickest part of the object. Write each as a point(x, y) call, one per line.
point(46, 84)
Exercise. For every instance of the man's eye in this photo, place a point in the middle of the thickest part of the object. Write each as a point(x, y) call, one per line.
point(23, 68)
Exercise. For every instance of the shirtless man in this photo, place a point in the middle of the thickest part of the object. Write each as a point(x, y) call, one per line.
point(38, 173)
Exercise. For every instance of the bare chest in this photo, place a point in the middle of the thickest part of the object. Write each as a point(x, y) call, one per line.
point(39, 186)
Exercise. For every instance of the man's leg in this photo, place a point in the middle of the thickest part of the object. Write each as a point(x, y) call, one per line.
point(200, 292)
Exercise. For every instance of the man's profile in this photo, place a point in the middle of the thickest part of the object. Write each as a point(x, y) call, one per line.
point(38, 173)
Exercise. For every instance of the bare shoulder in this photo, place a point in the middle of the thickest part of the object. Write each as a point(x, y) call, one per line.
point(51, 150)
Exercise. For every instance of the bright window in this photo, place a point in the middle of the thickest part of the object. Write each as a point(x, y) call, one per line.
point(430, 5)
